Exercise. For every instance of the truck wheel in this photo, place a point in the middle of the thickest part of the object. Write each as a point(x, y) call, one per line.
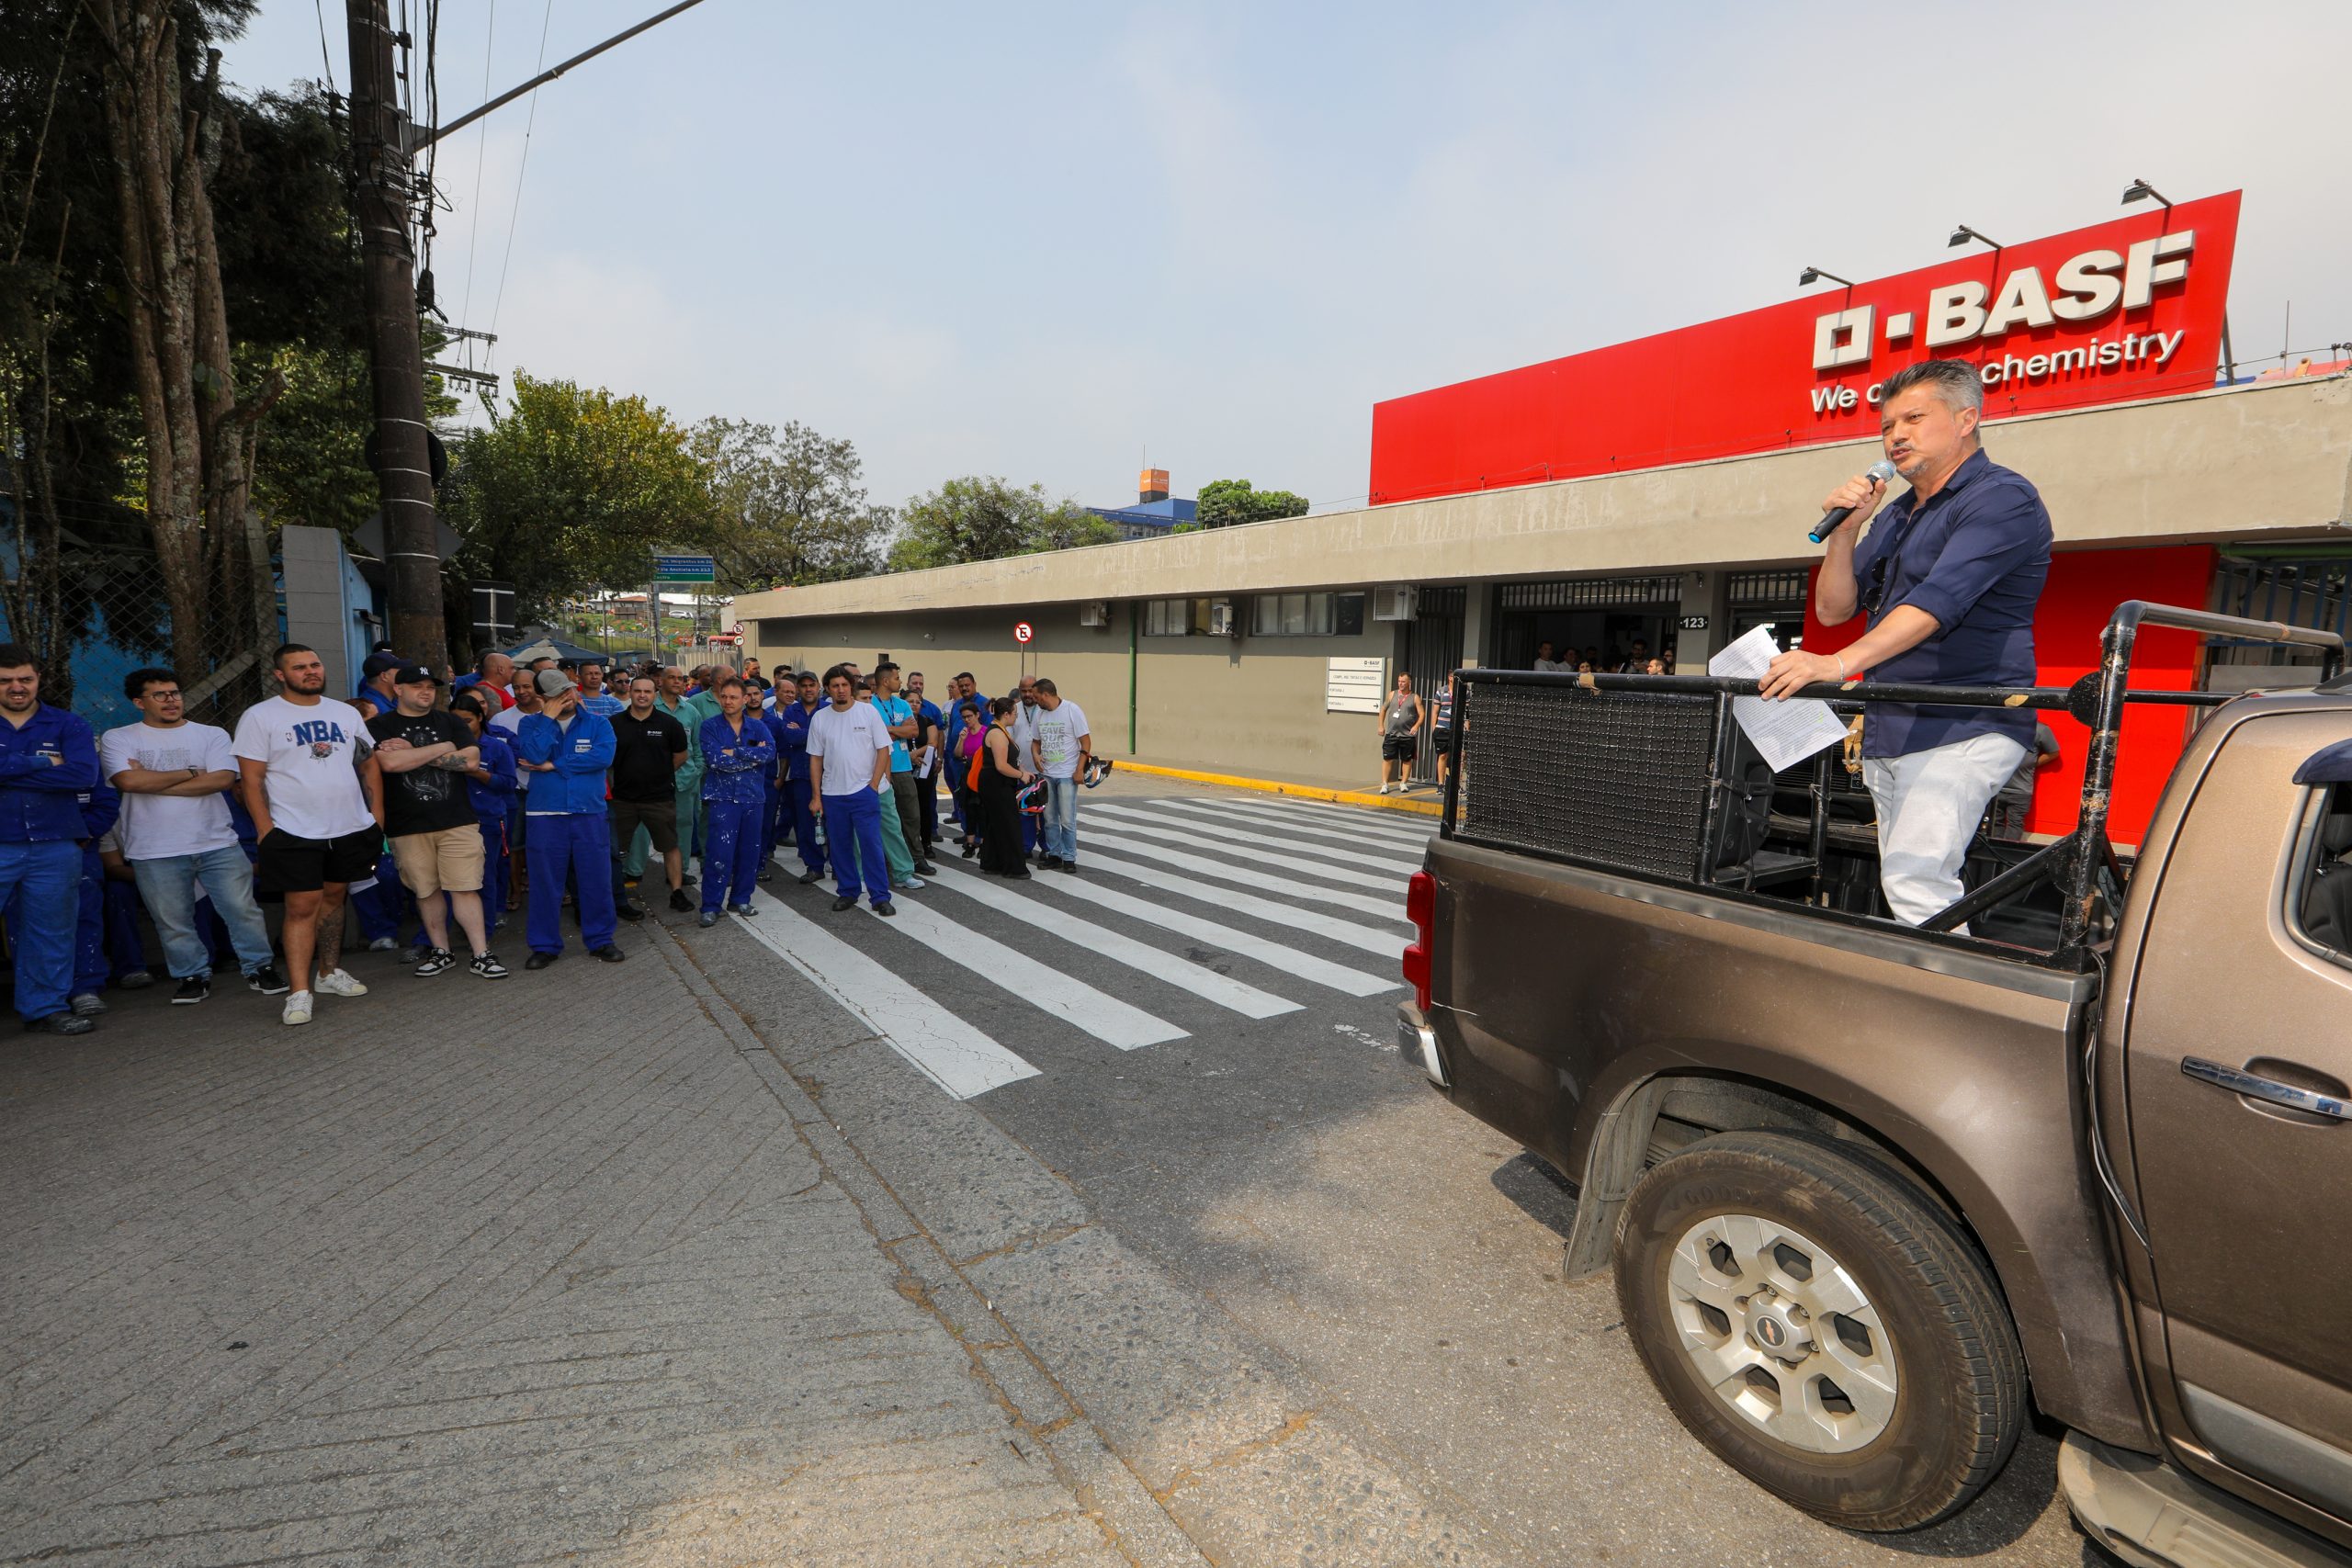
point(1822, 1328)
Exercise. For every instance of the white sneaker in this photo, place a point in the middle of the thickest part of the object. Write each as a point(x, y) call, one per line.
point(298, 1009)
point(335, 982)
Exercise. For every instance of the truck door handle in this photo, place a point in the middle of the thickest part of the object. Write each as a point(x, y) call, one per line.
point(2270, 1090)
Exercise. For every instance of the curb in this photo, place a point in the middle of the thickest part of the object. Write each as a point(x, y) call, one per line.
point(1276, 786)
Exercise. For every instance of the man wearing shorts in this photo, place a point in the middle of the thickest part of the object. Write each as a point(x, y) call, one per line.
point(648, 747)
point(1402, 714)
point(302, 758)
point(422, 755)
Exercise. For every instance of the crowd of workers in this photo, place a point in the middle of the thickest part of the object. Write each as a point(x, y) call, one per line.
point(538, 788)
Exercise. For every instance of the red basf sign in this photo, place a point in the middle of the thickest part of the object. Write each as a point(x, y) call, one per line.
point(2120, 310)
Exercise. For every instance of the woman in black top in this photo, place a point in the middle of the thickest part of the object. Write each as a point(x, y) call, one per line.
point(1001, 777)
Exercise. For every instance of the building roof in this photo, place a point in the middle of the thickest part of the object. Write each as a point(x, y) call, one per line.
point(2267, 461)
point(1152, 513)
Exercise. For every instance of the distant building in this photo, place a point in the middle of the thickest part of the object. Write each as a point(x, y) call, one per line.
point(1155, 513)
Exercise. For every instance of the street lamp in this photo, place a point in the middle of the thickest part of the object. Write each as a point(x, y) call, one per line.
point(1961, 234)
point(1813, 275)
point(2141, 190)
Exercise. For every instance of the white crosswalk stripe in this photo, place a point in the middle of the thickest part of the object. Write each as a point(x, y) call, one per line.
point(950, 1051)
point(1173, 968)
point(1307, 966)
point(1387, 944)
point(1311, 840)
point(1397, 825)
point(1260, 849)
point(1103, 1016)
point(1088, 840)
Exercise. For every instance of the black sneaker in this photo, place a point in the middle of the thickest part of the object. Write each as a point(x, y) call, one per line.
point(1070, 866)
point(268, 981)
point(60, 1023)
point(437, 960)
point(885, 909)
point(680, 902)
point(487, 965)
point(1048, 863)
point(808, 877)
point(766, 873)
point(193, 990)
point(925, 868)
point(609, 954)
point(841, 904)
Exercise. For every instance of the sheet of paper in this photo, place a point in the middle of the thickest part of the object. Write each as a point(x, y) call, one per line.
point(1786, 733)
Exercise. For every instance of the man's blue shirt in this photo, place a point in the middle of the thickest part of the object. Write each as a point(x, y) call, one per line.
point(792, 724)
point(1974, 557)
point(894, 710)
point(46, 767)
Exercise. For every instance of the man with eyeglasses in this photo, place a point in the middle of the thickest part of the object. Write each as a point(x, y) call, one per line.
point(1949, 578)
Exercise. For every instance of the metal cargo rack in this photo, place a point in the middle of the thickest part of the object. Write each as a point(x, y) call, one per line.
point(1646, 760)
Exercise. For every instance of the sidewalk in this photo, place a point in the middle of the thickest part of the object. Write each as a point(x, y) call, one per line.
point(574, 1264)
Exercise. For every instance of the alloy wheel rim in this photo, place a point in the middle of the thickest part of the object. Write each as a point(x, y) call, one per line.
point(1781, 1333)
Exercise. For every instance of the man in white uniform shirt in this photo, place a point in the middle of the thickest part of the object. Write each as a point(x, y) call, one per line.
point(304, 757)
point(1059, 745)
point(176, 835)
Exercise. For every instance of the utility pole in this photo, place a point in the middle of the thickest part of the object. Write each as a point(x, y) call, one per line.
point(395, 347)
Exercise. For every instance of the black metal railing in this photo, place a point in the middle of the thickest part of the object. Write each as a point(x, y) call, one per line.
point(1656, 752)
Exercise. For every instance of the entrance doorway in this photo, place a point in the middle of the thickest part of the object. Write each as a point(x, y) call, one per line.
point(1431, 652)
point(1607, 619)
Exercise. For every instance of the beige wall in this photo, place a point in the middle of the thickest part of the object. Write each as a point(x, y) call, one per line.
point(2272, 460)
point(1255, 703)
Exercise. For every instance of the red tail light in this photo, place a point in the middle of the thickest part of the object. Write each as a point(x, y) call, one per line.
point(1420, 907)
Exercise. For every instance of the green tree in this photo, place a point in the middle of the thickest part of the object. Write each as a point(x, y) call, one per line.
point(1224, 502)
point(574, 487)
point(787, 507)
point(983, 518)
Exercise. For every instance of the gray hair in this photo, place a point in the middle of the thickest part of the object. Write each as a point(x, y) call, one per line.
point(1955, 383)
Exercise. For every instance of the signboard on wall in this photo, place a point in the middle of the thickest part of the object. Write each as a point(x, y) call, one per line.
point(1354, 685)
point(2120, 310)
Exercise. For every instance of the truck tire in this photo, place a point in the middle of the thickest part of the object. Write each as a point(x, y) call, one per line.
point(1821, 1326)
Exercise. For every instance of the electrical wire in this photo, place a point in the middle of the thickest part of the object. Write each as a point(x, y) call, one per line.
point(326, 59)
point(513, 216)
point(482, 148)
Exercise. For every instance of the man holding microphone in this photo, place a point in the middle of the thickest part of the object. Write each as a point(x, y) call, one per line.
point(1948, 577)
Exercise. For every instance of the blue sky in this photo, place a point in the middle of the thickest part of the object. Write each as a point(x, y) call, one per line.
point(1034, 239)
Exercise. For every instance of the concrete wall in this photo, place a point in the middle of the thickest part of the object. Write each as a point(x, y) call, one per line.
point(2273, 461)
point(1254, 703)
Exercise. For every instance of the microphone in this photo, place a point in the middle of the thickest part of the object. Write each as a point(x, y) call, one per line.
point(1881, 471)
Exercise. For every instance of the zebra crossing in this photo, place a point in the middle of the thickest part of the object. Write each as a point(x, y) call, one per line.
point(1192, 917)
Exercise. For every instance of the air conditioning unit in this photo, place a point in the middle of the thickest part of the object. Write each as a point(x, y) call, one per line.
point(1095, 613)
point(1396, 602)
point(1223, 622)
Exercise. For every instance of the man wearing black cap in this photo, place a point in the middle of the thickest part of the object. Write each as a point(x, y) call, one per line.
point(422, 755)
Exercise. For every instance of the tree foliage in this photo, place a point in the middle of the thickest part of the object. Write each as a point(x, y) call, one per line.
point(1224, 502)
point(984, 518)
point(572, 488)
point(787, 507)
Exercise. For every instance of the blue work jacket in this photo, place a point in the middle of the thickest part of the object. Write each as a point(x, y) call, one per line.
point(581, 755)
point(792, 724)
point(735, 768)
point(45, 768)
point(497, 761)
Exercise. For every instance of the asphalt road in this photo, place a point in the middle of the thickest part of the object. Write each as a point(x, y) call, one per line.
point(1293, 1171)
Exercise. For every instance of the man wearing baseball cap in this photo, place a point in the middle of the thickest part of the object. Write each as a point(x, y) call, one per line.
point(566, 749)
point(422, 755)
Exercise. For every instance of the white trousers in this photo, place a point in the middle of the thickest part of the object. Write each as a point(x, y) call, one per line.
point(1928, 806)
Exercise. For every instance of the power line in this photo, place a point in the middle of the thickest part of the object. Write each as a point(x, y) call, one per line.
point(514, 213)
point(324, 57)
point(482, 148)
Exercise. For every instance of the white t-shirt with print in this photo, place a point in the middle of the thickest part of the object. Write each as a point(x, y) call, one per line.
point(312, 755)
point(1058, 733)
point(157, 827)
point(848, 740)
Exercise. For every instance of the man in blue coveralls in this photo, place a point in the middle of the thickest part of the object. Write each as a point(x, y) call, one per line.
point(566, 751)
point(48, 760)
point(793, 720)
point(737, 759)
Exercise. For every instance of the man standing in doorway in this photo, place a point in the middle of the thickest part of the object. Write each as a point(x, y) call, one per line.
point(1401, 717)
point(176, 836)
point(849, 770)
point(1949, 580)
point(1059, 748)
point(421, 803)
point(648, 747)
point(566, 752)
point(305, 762)
point(48, 760)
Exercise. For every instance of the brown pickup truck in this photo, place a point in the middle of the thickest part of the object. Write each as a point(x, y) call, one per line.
point(2085, 1139)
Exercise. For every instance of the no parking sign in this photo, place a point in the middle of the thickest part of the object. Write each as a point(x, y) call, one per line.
point(1023, 632)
